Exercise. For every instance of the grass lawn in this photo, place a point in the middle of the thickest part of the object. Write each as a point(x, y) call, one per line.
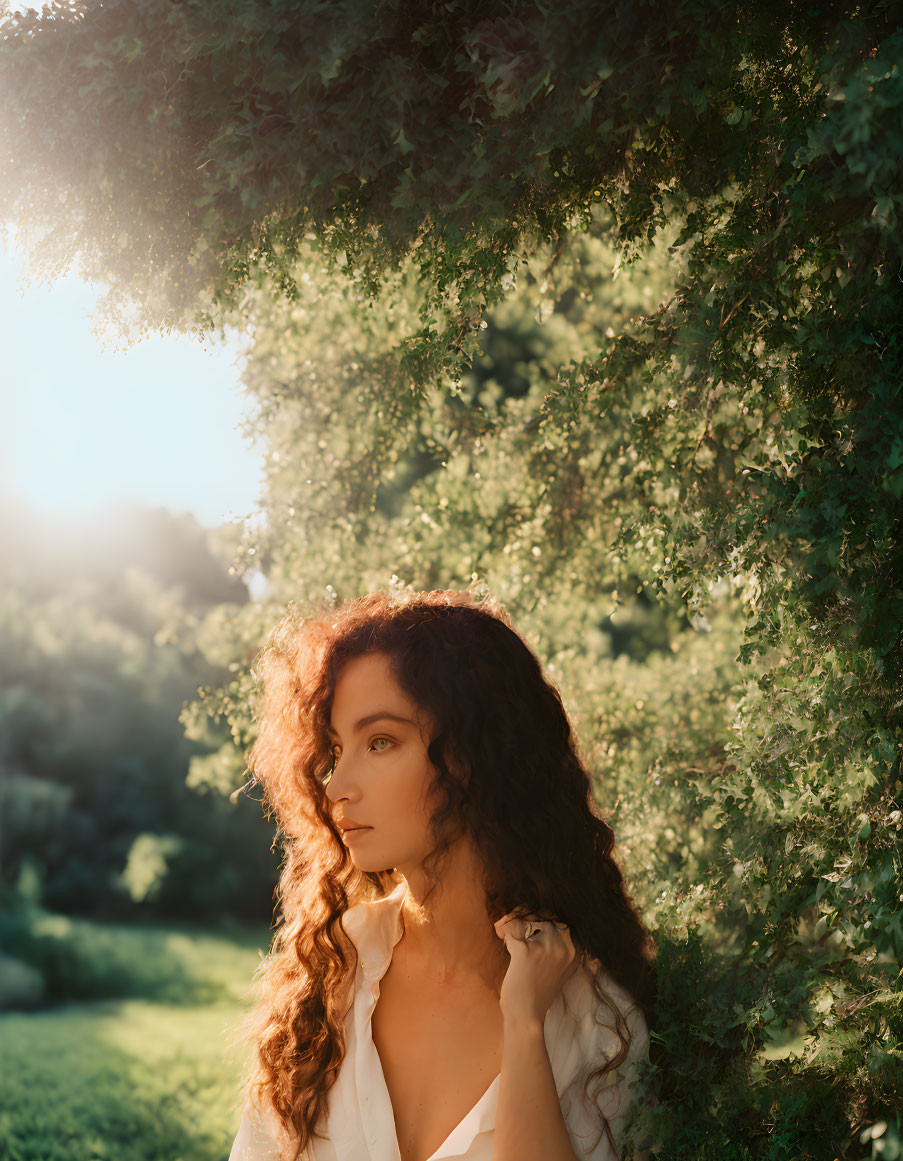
point(133, 1079)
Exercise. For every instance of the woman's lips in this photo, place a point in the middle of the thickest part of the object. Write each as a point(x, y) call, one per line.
point(356, 830)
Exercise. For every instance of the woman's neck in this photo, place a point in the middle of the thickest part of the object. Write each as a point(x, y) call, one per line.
point(448, 932)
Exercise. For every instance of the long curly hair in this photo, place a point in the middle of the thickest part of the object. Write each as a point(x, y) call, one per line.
point(506, 768)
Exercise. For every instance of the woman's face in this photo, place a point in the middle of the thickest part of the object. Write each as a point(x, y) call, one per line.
point(382, 775)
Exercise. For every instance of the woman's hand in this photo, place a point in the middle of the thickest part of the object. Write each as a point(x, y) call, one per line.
point(538, 967)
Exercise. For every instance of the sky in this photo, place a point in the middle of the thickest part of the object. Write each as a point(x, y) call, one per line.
point(83, 428)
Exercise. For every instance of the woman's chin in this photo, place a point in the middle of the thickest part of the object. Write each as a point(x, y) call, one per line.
point(368, 861)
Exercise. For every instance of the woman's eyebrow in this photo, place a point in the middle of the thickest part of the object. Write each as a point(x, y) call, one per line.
point(381, 715)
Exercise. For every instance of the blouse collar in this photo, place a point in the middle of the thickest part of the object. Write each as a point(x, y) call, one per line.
point(374, 928)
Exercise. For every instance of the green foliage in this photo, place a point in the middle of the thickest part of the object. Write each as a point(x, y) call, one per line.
point(99, 657)
point(148, 864)
point(686, 481)
point(81, 960)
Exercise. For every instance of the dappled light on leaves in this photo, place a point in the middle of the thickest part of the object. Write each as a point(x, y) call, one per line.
point(598, 306)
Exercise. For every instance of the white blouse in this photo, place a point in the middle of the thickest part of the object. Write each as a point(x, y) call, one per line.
point(360, 1124)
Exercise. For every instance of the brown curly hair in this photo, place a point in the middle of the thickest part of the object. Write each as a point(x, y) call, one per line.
point(525, 798)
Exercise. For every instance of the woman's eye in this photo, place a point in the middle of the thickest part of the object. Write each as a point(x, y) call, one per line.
point(375, 741)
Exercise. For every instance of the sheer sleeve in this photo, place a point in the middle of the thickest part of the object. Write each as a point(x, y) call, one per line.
point(615, 1098)
point(258, 1138)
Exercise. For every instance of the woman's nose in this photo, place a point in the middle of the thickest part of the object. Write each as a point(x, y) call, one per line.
point(342, 785)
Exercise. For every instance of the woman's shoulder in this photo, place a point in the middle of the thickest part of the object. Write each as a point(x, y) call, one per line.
point(606, 1033)
point(594, 999)
point(603, 1025)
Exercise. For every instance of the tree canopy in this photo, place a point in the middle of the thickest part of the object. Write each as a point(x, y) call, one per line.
point(686, 482)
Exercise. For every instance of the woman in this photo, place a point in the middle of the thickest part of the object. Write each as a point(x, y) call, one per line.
point(458, 971)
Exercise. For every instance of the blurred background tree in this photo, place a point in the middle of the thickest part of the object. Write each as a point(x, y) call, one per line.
point(598, 308)
point(99, 654)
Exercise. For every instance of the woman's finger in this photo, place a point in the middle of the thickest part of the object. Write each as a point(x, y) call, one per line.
point(502, 925)
point(527, 929)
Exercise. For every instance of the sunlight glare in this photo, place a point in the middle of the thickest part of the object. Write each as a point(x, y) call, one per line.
point(153, 424)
